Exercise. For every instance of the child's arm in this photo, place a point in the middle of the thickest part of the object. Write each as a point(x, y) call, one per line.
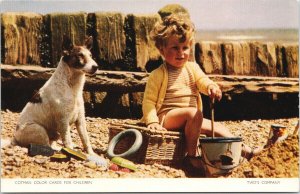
point(214, 92)
point(150, 99)
point(206, 85)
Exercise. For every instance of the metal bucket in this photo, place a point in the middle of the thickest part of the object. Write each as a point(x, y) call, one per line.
point(220, 154)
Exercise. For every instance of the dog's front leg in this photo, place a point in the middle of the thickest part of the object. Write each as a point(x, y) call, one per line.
point(81, 128)
point(65, 132)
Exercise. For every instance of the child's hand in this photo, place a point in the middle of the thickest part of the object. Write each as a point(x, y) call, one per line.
point(214, 92)
point(155, 126)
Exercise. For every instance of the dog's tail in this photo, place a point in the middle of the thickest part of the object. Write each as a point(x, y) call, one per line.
point(8, 142)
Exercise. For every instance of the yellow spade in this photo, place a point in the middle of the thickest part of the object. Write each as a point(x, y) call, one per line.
point(75, 154)
point(59, 158)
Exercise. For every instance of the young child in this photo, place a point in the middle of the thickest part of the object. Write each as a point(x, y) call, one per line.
point(172, 100)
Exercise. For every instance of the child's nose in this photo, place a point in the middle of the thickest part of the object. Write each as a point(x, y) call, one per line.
point(180, 52)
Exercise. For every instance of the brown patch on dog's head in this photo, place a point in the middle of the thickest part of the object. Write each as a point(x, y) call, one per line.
point(36, 98)
point(67, 47)
point(79, 57)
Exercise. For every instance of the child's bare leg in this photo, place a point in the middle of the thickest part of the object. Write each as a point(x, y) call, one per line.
point(219, 129)
point(189, 119)
point(222, 131)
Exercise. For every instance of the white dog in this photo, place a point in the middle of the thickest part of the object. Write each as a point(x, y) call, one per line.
point(59, 103)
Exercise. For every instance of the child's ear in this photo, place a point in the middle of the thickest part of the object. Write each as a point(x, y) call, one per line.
point(192, 41)
point(161, 50)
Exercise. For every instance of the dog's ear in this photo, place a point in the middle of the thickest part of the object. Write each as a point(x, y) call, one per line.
point(89, 42)
point(67, 45)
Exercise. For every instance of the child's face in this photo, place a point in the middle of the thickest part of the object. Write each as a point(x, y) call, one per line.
point(176, 53)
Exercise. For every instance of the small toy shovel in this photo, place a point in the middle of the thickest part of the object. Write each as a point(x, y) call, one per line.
point(226, 158)
point(212, 114)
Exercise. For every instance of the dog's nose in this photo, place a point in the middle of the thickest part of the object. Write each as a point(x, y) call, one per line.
point(94, 68)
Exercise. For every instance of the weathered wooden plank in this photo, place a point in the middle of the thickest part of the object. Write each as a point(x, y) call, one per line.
point(209, 56)
point(21, 36)
point(71, 24)
point(236, 58)
point(110, 36)
point(256, 84)
point(144, 46)
point(291, 53)
point(280, 65)
point(10, 48)
point(263, 56)
point(135, 82)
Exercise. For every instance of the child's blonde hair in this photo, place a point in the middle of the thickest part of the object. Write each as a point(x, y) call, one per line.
point(176, 24)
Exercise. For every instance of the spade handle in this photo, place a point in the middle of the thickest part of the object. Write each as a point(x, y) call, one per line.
point(212, 114)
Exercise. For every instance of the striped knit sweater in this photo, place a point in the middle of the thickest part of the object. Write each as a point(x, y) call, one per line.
point(181, 89)
point(156, 89)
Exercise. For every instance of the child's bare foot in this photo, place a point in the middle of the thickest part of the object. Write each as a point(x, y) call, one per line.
point(193, 165)
point(253, 152)
point(195, 161)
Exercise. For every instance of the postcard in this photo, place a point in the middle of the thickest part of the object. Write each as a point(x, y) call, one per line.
point(149, 96)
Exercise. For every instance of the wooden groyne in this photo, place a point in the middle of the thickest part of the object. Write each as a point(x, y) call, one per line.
point(122, 42)
point(260, 76)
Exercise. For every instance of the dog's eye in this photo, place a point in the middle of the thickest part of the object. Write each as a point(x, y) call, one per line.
point(80, 55)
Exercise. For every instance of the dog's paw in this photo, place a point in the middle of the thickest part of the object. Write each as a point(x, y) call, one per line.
point(55, 146)
point(100, 161)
